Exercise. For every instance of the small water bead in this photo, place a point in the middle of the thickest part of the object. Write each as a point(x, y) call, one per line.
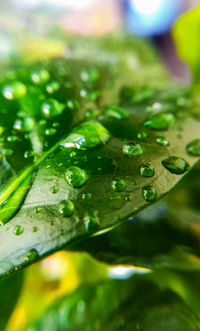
point(28, 154)
point(162, 141)
point(91, 113)
point(35, 229)
point(116, 112)
point(18, 230)
point(54, 189)
point(91, 220)
point(118, 185)
point(12, 138)
point(40, 76)
point(89, 95)
point(155, 107)
point(31, 256)
point(149, 193)
point(15, 90)
point(87, 135)
point(142, 135)
point(73, 104)
point(175, 165)
point(147, 170)
point(52, 87)
point(76, 176)
point(160, 121)
point(66, 208)
point(90, 75)
point(50, 131)
point(193, 147)
point(132, 149)
point(86, 196)
point(52, 108)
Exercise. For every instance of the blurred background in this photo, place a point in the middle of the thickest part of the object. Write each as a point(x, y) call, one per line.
point(53, 18)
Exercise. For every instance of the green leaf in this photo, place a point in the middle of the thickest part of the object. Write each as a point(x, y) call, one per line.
point(165, 235)
point(186, 33)
point(136, 303)
point(90, 171)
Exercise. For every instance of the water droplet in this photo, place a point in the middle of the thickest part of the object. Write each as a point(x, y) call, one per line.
point(89, 95)
point(50, 131)
point(35, 229)
point(118, 185)
point(54, 189)
point(40, 76)
point(87, 135)
point(14, 90)
point(12, 138)
point(76, 177)
point(31, 255)
point(18, 230)
point(52, 108)
point(132, 149)
point(66, 208)
point(91, 220)
point(193, 147)
point(175, 165)
point(160, 121)
point(73, 104)
point(149, 193)
point(90, 75)
point(147, 170)
point(116, 112)
point(52, 87)
point(28, 154)
point(142, 135)
point(37, 209)
point(86, 196)
point(162, 141)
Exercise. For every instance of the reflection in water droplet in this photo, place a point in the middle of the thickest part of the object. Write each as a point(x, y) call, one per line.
point(52, 87)
point(193, 147)
point(149, 193)
point(162, 141)
point(91, 220)
point(87, 135)
point(40, 76)
point(132, 149)
point(31, 256)
point(18, 230)
point(118, 185)
point(175, 165)
point(161, 121)
point(54, 189)
point(66, 208)
point(147, 170)
point(76, 177)
point(73, 104)
point(116, 112)
point(14, 90)
point(52, 108)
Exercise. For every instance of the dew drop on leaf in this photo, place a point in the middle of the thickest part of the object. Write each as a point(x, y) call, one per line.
point(142, 135)
point(72, 104)
point(54, 189)
point(66, 208)
point(193, 147)
point(34, 229)
point(40, 76)
point(132, 149)
point(50, 131)
point(31, 256)
point(118, 185)
point(162, 141)
point(116, 112)
point(52, 108)
point(147, 170)
point(149, 193)
point(18, 230)
point(86, 196)
point(52, 87)
point(14, 90)
point(76, 176)
point(175, 165)
point(160, 121)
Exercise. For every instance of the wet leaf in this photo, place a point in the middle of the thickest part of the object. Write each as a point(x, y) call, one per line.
point(85, 165)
